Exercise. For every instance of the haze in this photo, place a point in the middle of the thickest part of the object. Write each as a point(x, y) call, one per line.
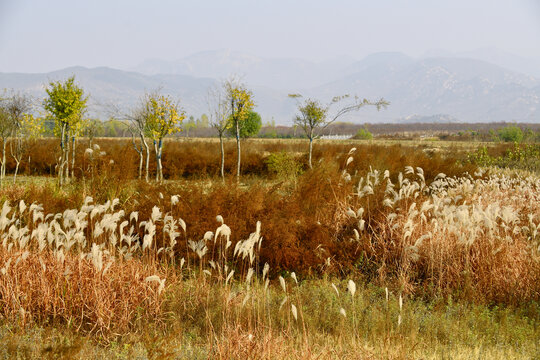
point(41, 36)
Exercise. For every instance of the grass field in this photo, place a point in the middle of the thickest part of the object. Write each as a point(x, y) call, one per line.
point(384, 250)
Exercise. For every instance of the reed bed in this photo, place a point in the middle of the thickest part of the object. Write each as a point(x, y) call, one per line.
point(347, 261)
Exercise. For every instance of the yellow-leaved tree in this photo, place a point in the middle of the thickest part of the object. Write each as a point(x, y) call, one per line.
point(240, 102)
point(66, 104)
point(163, 117)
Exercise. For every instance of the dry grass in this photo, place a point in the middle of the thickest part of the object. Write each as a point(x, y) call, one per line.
point(346, 262)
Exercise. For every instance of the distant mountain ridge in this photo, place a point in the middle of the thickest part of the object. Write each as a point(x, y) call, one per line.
point(438, 88)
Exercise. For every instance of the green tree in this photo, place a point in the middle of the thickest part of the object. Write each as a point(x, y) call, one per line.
point(313, 116)
point(204, 122)
point(510, 134)
point(363, 134)
point(66, 104)
point(251, 127)
point(190, 124)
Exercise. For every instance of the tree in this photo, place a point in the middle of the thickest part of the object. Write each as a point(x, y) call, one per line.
point(219, 117)
point(139, 127)
point(190, 124)
point(16, 106)
point(313, 116)
point(251, 127)
point(92, 128)
point(6, 129)
point(203, 122)
point(65, 103)
point(511, 134)
point(25, 130)
point(241, 103)
point(363, 134)
point(163, 117)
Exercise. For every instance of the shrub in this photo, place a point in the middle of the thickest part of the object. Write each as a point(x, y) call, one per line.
point(363, 134)
point(283, 165)
point(510, 134)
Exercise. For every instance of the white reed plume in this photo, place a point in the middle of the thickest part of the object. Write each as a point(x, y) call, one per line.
point(198, 247)
point(335, 289)
point(282, 283)
point(155, 278)
point(156, 214)
point(294, 312)
point(351, 286)
point(266, 268)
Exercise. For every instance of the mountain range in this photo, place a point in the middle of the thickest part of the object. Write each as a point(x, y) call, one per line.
point(439, 88)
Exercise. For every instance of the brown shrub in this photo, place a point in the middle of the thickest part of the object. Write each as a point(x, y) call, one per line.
point(39, 288)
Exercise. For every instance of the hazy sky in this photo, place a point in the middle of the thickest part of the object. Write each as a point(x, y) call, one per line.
point(45, 35)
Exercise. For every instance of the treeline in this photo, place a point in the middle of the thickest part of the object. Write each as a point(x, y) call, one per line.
point(199, 128)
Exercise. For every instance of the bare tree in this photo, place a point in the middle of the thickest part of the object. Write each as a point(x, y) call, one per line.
point(18, 106)
point(6, 129)
point(138, 121)
point(138, 127)
point(138, 148)
point(219, 118)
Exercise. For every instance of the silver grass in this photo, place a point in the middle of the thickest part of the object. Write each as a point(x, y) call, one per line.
point(351, 286)
point(294, 312)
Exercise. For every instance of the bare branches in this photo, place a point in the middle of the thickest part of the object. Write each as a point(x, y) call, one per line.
point(313, 116)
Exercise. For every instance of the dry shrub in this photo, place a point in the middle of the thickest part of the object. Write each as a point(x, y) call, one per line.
point(200, 158)
point(36, 287)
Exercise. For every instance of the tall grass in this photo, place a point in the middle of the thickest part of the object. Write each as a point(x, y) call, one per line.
point(350, 251)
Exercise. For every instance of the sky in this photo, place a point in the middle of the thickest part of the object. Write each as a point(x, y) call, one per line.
point(46, 35)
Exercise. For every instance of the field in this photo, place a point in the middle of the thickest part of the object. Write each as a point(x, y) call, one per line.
point(384, 250)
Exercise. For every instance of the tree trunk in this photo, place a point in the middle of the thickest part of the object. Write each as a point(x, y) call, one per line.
point(17, 162)
point(159, 164)
point(222, 167)
point(62, 159)
point(73, 144)
point(140, 163)
point(157, 160)
point(310, 149)
point(66, 158)
point(3, 167)
point(140, 152)
point(238, 150)
point(147, 149)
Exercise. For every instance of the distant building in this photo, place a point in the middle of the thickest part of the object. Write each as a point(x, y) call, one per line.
point(336, 137)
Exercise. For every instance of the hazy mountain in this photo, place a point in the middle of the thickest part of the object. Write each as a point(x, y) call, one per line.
point(123, 89)
point(438, 88)
point(467, 89)
point(279, 73)
point(438, 118)
point(495, 56)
